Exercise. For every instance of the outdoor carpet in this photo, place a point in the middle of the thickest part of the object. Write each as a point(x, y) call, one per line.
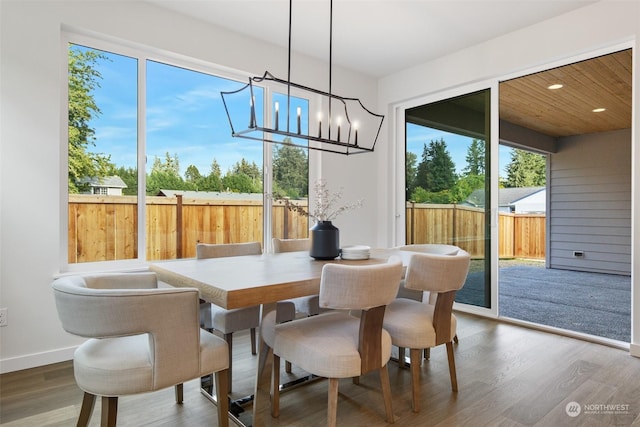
point(592, 303)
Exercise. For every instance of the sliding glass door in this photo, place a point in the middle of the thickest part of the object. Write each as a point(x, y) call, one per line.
point(447, 177)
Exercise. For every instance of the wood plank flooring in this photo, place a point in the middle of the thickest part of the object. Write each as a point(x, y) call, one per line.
point(508, 375)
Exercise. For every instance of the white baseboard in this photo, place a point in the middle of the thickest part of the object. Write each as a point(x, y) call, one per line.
point(634, 350)
point(37, 359)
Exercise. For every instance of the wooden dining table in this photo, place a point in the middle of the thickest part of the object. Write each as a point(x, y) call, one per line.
point(243, 281)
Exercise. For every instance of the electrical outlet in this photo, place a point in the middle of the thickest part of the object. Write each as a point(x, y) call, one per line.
point(3, 317)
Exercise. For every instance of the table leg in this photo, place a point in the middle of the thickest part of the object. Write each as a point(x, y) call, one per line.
point(262, 394)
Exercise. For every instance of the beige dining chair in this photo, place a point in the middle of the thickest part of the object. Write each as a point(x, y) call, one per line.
point(134, 346)
point(226, 322)
point(419, 295)
point(336, 344)
point(307, 306)
point(416, 325)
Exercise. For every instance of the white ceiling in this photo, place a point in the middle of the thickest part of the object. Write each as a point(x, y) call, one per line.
point(376, 37)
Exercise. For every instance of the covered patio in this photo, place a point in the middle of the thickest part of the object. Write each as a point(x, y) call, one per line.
point(591, 303)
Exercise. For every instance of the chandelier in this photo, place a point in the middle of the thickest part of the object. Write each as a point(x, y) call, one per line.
point(342, 125)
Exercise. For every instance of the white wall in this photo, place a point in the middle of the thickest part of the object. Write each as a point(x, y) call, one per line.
point(583, 33)
point(32, 61)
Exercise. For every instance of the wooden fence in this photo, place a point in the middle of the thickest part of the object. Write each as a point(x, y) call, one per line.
point(521, 235)
point(103, 228)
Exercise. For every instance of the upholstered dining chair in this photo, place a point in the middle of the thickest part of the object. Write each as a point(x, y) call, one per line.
point(417, 325)
point(309, 305)
point(419, 295)
point(336, 344)
point(213, 317)
point(141, 338)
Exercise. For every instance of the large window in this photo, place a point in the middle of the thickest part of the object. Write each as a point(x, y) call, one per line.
point(152, 166)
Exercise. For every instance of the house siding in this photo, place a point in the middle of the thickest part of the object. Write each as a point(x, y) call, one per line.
point(590, 203)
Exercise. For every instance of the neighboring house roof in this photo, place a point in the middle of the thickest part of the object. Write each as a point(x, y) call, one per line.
point(509, 196)
point(211, 195)
point(506, 196)
point(105, 181)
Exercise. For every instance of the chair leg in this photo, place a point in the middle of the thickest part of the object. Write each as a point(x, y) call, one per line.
point(222, 383)
point(179, 389)
point(355, 380)
point(229, 339)
point(427, 353)
point(253, 341)
point(386, 393)
point(332, 409)
point(401, 355)
point(88, 402)
point(287, 366)
point(452, 367)
point(109, 411)
point(455, 338)
point(275, 387)
point(415, 357)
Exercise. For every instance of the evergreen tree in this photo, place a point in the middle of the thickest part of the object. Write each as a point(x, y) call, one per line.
point(192, 174)
point(290, 171)
point(130, 177)
point(475, 158)
point(410, 173)
point(436, 171)
point(526, 169)
point(166, 176)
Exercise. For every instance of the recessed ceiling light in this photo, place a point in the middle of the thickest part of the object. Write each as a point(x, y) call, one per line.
point(599, 110)
point(554, 86)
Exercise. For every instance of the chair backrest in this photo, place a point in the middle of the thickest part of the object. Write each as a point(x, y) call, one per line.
point(437, 273)
point(442, 276)
point(359, 287)
point(431, 248)
point(221, 250)
point(290, 245)
point(124, 304)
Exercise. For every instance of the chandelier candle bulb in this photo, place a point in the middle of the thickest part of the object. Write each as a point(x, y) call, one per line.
point(338, 138)
point(299, 112)
point(252, 115)
point(277, 108)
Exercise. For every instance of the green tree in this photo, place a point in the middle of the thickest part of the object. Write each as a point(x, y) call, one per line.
point(475, 158)
point(526, 169)
point(290, 171)
point(83, 79)
point(244, 177)
point(192, 174)
point(410, 173)
point(436, 172)
point(166, 176)
point(130, 177)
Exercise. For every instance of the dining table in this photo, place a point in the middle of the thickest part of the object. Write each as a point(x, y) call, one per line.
point(248, 280)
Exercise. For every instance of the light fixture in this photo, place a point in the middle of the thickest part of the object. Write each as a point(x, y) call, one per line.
point(599, 110)
point(555, 86)
point(349, 128)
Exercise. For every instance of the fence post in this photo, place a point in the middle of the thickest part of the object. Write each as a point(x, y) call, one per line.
point(179, 226)
point(412, 223)
point(285, 226)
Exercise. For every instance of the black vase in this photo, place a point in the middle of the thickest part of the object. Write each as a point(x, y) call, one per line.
point(325, 240)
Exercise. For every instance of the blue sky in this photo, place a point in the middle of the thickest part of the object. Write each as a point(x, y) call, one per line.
point(185, 116)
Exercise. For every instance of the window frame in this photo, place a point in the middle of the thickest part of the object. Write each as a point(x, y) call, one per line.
point(143, 54)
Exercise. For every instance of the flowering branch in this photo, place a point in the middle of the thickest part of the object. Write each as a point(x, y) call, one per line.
point(325, 208)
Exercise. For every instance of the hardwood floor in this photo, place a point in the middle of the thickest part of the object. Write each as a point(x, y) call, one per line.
point(507, 376)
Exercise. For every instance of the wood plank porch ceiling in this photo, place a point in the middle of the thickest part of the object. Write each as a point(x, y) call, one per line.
point(602, 82)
